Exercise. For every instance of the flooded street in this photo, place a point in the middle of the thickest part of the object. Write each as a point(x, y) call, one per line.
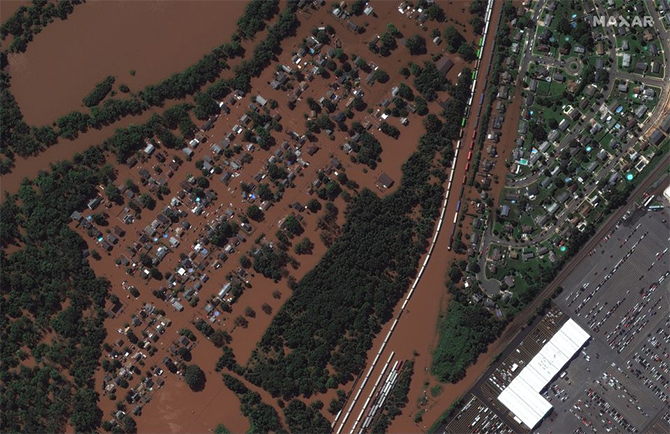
point(415, 335)
point(157, 38)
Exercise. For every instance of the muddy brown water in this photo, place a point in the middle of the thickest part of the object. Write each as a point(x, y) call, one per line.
point(155, 417)
point(7, 10)
point(162, 15)
point(100, 38)
point(175, 408)
point(415, 334)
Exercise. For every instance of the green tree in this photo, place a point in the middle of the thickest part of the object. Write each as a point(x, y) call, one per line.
point(305, 246)
point(292, 225)
point(194, 377)
point(416, 45)
point(467, 52)
point(221, 429)
point(453, 39)
point(254, 213)
point(112, 192)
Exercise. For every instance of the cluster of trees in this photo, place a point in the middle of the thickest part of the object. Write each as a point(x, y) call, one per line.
point(387, 40)
point(389, 130)
point(45, 274)
point(16, 136)
point(355, 286)
point(428, 80)
point(28, 21)
point(416, 45)
point(464, 332)
point(194, 377)
point(478, 11)
point(256, 13)
point(432, 9)
point(99, 92)
point(271, 262)
point(368, 149)
point(453, 39)
point(581, 33)
point(303, 419)
point(227, 360)
point(467, 52)
point(453, 108)
point(304, 247)
point(263, 417)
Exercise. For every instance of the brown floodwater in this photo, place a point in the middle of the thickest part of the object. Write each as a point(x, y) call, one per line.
point(157, 418)
point(175, 408)
point(170, 62)
point(7, 9)
point(100, 38)
point(415, 334)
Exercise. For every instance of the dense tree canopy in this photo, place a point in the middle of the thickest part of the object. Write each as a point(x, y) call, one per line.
point(194, 377)
point(379, 249)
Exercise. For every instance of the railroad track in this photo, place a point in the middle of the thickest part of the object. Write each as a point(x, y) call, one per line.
point(520, 321)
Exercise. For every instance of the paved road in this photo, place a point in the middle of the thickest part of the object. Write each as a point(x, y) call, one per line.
point(521, 320)
point(490, 285)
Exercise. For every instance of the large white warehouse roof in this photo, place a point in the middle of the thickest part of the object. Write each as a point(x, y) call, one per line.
point(522, 396)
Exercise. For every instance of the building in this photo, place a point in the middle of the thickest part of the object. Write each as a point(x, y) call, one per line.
point(656, 137)
point(522, 396)
point(665, 125)
point(444, 65)
point(385, 181)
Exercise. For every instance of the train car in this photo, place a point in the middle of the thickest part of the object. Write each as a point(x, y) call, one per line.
point(467, 167)
point(472, 145)
point(474, 134)
point(481, 99)
point(458, 206)
point(476, 121)
point(460, 134)
point(465, 179)
point(469, 155)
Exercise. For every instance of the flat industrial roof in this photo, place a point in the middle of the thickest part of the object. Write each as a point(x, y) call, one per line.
point(522, 396)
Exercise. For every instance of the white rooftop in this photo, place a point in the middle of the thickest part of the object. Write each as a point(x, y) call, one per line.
point(522, 396)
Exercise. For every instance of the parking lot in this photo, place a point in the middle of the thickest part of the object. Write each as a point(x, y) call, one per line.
point(477, 417)
point(620, 295)
point(619, 381)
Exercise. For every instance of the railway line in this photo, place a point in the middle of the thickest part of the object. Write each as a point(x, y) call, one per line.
point(342, 418)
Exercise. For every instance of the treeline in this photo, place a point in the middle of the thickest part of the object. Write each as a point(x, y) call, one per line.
point(263, 54)
point(16, 136)
point(28, 21)
point(48, 272)
point(263, 417)
point(126, 141)
point(303, 419)
point(99, 92)
point(256, 13)
point(335, 311)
